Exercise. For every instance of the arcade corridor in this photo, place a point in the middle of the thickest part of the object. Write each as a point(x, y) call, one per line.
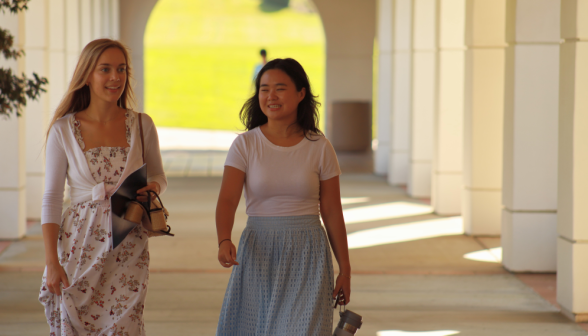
point(423, 285)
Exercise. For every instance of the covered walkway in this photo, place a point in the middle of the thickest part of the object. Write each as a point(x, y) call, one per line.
point(410, 283)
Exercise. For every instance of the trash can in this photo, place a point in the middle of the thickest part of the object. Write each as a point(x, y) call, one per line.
point(351, 126)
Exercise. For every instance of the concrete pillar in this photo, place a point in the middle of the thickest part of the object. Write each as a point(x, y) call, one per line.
point(385, 76)
point(114, 19)
point(97, 14)
point(401, 93)
point(106, 19)
point(73, 37)
point(424, 71)
point(483, 116)
point(447, 182)
point(572, 227)
point(57, 50)
point(36, 115)
point(529, 188)
point(133, 16)
point(13, 149)
point(350, 28)
point(86, 24)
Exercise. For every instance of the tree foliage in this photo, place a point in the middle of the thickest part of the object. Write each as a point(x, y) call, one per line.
point(14, 90)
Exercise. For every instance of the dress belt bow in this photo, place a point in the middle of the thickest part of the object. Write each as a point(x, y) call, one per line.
point(99, 192)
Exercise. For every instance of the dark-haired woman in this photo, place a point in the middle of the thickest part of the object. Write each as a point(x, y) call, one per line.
point(282, 279)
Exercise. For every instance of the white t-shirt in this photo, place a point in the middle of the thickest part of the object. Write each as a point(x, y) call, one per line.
point(282, 181)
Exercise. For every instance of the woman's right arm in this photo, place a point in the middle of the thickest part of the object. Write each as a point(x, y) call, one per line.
point(55, 273)
point(55, 172)
point(228, 200)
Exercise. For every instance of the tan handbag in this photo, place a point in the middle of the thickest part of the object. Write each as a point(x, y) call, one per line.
point(153, 218)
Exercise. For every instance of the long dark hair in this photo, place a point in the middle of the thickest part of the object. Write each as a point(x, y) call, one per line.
point(307, 116)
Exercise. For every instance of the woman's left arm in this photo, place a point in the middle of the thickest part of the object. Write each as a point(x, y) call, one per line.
point(332, 214)
point(156, 179)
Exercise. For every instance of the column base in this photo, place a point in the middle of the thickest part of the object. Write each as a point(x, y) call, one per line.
point(35, 188)
point(12, 208)
point(572, 277)
point(398, 168)
point(419, 182)
point(529, 241)
point(481, 212)
point(578, 318)
point(381, 159)
point(446, 197)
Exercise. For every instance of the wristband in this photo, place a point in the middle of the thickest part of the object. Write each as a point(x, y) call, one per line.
point(347, 276)
point(219, 244)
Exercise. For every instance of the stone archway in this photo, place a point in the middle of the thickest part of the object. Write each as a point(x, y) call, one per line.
point(134, 15)
point(349, 33)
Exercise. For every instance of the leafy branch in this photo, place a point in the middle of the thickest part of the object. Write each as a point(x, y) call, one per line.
point(15, 90)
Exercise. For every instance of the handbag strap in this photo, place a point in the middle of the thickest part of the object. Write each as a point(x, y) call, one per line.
point(142, 142)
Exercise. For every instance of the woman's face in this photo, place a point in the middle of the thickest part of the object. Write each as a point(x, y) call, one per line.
point(278, 96)
point(107, 80)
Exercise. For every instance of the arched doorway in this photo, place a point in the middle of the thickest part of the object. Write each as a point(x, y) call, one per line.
point(349, 29)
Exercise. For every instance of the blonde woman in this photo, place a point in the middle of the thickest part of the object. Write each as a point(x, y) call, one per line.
point(94, 141)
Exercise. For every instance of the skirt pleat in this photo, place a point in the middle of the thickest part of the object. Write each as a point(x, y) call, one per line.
point(284, 280)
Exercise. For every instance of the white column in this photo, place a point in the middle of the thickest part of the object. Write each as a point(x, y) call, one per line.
point(424, 70)
point(36, 115)
point(401, 93)
point(97, 19)
point(384, 124)
point(483, 116)
point(529, 189)
point(73, 45)
point(57, 51)
point(106, 19)
point(572, 227)
point(115, 19)
point(86, 25)
point(13, 149)
point(447, 183)
point(134, 15)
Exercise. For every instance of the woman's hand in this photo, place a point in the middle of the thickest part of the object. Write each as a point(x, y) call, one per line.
point(343, 282)
point(142, 193)
point(55, 277)
point(227, 254)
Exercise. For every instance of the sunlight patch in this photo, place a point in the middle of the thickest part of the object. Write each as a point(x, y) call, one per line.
point(174, 138)
point(354, 200)
point(406, 232)
point(493, 255)
point(417, 333)
point(376, 212)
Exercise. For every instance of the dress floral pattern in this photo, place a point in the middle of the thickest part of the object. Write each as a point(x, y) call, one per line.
point(107, 286)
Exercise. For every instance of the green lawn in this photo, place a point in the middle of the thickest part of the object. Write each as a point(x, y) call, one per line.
point(200, 56)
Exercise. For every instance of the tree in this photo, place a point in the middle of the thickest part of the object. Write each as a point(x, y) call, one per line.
point(15, 90)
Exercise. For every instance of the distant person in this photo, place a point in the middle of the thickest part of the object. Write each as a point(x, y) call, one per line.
point(282, 279)
point(263, 54)
point(94, 140)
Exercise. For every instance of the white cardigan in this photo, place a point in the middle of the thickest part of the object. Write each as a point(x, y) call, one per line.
point(64, 157)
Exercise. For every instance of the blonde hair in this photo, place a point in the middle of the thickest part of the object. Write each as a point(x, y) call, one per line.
point(77, 97)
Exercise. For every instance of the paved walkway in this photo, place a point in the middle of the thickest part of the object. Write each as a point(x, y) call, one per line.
point(413, 274)
point(194, 152)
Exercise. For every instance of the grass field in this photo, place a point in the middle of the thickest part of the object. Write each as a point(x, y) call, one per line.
point(200, 56)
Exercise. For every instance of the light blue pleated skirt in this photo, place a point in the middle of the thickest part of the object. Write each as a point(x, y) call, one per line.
point(284, 281)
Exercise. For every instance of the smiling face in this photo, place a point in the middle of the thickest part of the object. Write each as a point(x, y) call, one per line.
point(107, 80)
point(278, 97)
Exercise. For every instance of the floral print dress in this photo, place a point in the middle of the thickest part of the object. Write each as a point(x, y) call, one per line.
point(107, 286)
